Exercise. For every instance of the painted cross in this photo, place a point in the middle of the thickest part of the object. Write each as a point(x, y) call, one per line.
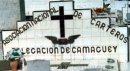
point(61, 17)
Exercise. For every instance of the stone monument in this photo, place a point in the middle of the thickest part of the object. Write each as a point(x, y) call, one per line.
point(38, 65)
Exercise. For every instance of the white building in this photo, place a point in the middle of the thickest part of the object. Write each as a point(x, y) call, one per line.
point(69, 34)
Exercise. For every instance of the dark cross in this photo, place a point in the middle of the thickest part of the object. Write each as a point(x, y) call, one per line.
point(61, 17)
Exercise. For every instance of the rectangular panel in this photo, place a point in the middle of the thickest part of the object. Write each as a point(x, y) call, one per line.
point(68, 6)
point(46, 25)
point(55, 5)
point(113, 41)
point(104, 39)
point(36, 14)
point(31, 33)
point(20, 24)
point(88, 56)
point(78, 42)
point(6, 34)
point(96, 56)
point(39, 42)
point(106, 21)
point(77, 24)
point(69, 24)
point(86, 14)
point(87, 23)
point(123, 31)
point(37, 26)
point(66, 56)
point(79, 57)
point(78, 31)
point(31, 42)
point(55, 32)
point(69, 12)
point(123, 57)
point(47, 43)
point(46, 32)
point(88, 4)
point(23, 35)
point(96, 40)
point(91, 35)
point(38, 5)
point(103, 33)
point(87, 41)
point(55, 24)
point(69, 32)
point(95, 32)
point(15, 43)
point(122, 49)
point(38, 33)
point(87, 32)
point(23, 42)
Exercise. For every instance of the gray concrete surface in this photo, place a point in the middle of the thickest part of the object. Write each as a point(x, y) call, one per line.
point(38, 65)
point(9, 14)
